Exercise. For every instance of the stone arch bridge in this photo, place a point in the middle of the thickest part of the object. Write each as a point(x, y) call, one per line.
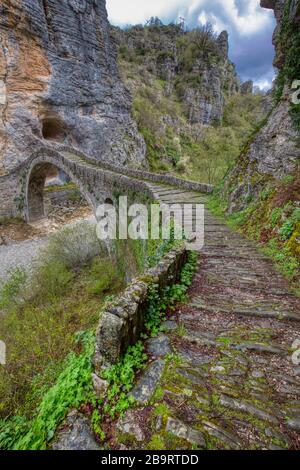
point(22, 192)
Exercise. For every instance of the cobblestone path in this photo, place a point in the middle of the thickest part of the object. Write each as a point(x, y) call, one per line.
point(221, 376)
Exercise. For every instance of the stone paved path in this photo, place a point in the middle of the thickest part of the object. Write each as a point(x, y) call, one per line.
point(230, 382)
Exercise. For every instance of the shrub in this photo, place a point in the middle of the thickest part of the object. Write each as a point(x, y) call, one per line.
point(12, 288)
point(44, 311)
point(102, 276)
point(74, 246)
point(50, 281)
point(73, 387)
point(287, 229)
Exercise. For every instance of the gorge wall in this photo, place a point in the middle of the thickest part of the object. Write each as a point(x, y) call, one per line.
point(59, 83)
point(194, 64)
point(188, 102)
point(274, 152)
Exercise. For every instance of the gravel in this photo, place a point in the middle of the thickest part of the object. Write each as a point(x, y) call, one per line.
point(23, 254)
point(19, 255)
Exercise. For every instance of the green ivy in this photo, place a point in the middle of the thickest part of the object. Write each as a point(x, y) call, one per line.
point(121, 379)
point(287, 229)
point(73, 388)
point(160, 302)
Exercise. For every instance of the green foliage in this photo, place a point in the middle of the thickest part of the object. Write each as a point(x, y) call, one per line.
point(50, 281)
point(287, 229)
point(72, 388)
point(75, 196)
point(159, 302)
point(6, 220)
point(157, 249)
point(156, 443)
point(63, 187)
point(289, 41)
point(156, 310)
point(11, 431)
point(103, 276)
point(121, 380)
point(202, 154)
point(276, 216)
point(74, 246)
point(12, 288)
point(271, 221)
point(200, 42)
point(121, 375)
point(287, 264)
point(42, 313)
point(96, 422)
point(148, 108)
point(130, 257)
point(194, 152)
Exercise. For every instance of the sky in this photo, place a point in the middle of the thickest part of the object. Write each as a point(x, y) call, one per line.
point(250, 28)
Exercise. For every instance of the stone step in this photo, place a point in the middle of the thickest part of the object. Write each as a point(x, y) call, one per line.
point(258, 312)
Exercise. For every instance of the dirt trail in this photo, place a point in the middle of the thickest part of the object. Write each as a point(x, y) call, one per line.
point(21, 254)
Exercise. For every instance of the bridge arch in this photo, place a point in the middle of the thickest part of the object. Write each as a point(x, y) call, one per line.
point(39, 171)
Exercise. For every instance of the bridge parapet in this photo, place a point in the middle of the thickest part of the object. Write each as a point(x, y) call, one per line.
point(164, 178)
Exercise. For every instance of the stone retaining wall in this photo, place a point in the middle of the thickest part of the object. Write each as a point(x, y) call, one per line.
point(122, 323)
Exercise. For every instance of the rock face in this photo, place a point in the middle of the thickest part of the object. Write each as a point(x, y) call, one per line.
point(206, 102)
point(76, 434)
point(195, 65)
point(59, 83)
point(275, 151)
point(247, 87)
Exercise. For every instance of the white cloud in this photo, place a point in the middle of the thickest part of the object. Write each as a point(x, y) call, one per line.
point(264, 84)
point(138, 11)
point(249, 26)
point(253, 20)
point(203, 18)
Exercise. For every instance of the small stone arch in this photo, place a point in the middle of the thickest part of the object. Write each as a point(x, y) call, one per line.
point(36, 179)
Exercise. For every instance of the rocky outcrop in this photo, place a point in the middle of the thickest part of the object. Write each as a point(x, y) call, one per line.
point(202, 82)
point(247, 87)
point(206, 102)
point(59, 83)
point(275, 150)
point(75, 434)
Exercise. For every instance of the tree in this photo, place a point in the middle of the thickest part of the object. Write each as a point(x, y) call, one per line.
point(204, 38)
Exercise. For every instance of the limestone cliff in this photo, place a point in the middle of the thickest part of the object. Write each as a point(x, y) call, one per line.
point(59, 83)
point(274, 152)
point(194, 64)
